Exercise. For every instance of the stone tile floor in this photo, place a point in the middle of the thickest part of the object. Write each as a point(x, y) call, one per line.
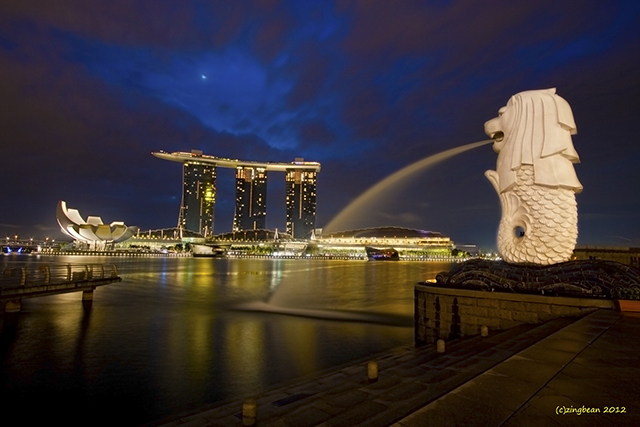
point(520, 377)
point(591, 364)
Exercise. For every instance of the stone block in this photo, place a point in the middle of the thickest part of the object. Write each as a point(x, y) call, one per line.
point(525, 317)
point(431, 336)
point(467, 301)
point(539, 308)
point(473, 311)
point(446, 308)
point(446, 300)
point(489, 322)
point(469, 320)
point(445, 326)
point(485, 302)
point(499, 313)
point(513, 305)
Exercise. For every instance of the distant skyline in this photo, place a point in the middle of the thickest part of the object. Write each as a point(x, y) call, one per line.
point(89, 89)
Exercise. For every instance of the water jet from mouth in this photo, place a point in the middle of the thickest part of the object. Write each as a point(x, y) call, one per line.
point(356, 209)
point(366, 201)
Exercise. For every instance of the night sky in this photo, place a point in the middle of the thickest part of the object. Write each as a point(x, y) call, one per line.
point(88, 89)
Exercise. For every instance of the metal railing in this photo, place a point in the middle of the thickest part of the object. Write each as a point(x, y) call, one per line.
point(19, 274)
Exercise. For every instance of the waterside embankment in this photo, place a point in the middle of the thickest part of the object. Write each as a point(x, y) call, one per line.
point(448, 313)
point(566, 371)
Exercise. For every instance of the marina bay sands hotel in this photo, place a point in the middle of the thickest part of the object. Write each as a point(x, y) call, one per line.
point(199, 192)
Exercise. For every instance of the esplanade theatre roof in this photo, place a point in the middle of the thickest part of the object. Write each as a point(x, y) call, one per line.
point(399, 232)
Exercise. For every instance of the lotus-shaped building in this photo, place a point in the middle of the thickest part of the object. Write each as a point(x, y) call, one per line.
point(92, 231)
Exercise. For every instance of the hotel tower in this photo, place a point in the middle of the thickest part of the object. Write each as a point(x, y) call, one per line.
point(198, 197)
point(199, 192)
point(251, 199)
point(301, 202)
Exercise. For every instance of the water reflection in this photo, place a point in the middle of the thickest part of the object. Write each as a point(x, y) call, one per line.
point(166, 338)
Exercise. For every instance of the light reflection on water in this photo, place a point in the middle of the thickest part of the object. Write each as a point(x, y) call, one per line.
point(167, 338)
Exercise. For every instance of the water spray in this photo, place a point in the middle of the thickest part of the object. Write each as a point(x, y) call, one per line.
point(365, 201)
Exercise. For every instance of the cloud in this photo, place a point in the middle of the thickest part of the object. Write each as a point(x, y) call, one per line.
point(317, 132)
point(9, 226)
point(116, 21)
point(89, 88)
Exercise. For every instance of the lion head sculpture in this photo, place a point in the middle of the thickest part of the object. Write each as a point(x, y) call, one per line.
point(535, 128)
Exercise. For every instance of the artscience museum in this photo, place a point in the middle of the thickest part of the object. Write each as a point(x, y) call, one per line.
point(92, 233)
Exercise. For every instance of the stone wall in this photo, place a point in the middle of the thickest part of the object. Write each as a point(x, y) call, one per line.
point(623, 255)
point(445, 313)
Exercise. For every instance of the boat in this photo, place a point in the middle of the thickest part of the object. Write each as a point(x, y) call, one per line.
point(206, 251)
point(381, 254)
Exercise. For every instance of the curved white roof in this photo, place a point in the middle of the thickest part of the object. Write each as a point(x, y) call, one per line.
point(91, 230)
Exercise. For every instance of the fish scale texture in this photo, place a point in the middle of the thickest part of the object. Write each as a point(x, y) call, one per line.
point(548, 217)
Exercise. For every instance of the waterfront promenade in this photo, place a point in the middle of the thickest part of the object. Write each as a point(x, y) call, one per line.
point(565, 372)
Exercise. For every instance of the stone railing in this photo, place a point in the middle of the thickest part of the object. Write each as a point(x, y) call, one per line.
point(445, 313)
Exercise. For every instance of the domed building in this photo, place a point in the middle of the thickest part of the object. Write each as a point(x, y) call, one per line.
point(410, 243)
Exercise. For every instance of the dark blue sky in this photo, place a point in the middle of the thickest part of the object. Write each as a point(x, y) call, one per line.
point(89, 88)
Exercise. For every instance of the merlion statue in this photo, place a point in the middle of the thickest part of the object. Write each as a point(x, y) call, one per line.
point(535, 178)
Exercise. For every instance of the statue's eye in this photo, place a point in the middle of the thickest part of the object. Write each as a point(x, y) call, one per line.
point(519, 232)
point(501, 111)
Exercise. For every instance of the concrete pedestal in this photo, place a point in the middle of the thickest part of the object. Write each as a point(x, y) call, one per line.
point(87, 295)
point(13, 306)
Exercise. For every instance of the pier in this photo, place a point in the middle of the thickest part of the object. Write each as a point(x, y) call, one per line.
point(21, 280)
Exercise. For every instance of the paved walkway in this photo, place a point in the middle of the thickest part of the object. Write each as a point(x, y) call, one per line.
point(525, 376)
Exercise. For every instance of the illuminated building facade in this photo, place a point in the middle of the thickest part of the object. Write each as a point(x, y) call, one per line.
point(251, 199)
point(198, 197)
point(301, 202)
point(199, 192)
point(410, 243)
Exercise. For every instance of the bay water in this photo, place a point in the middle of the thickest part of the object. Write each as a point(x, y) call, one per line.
point(179, 333)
